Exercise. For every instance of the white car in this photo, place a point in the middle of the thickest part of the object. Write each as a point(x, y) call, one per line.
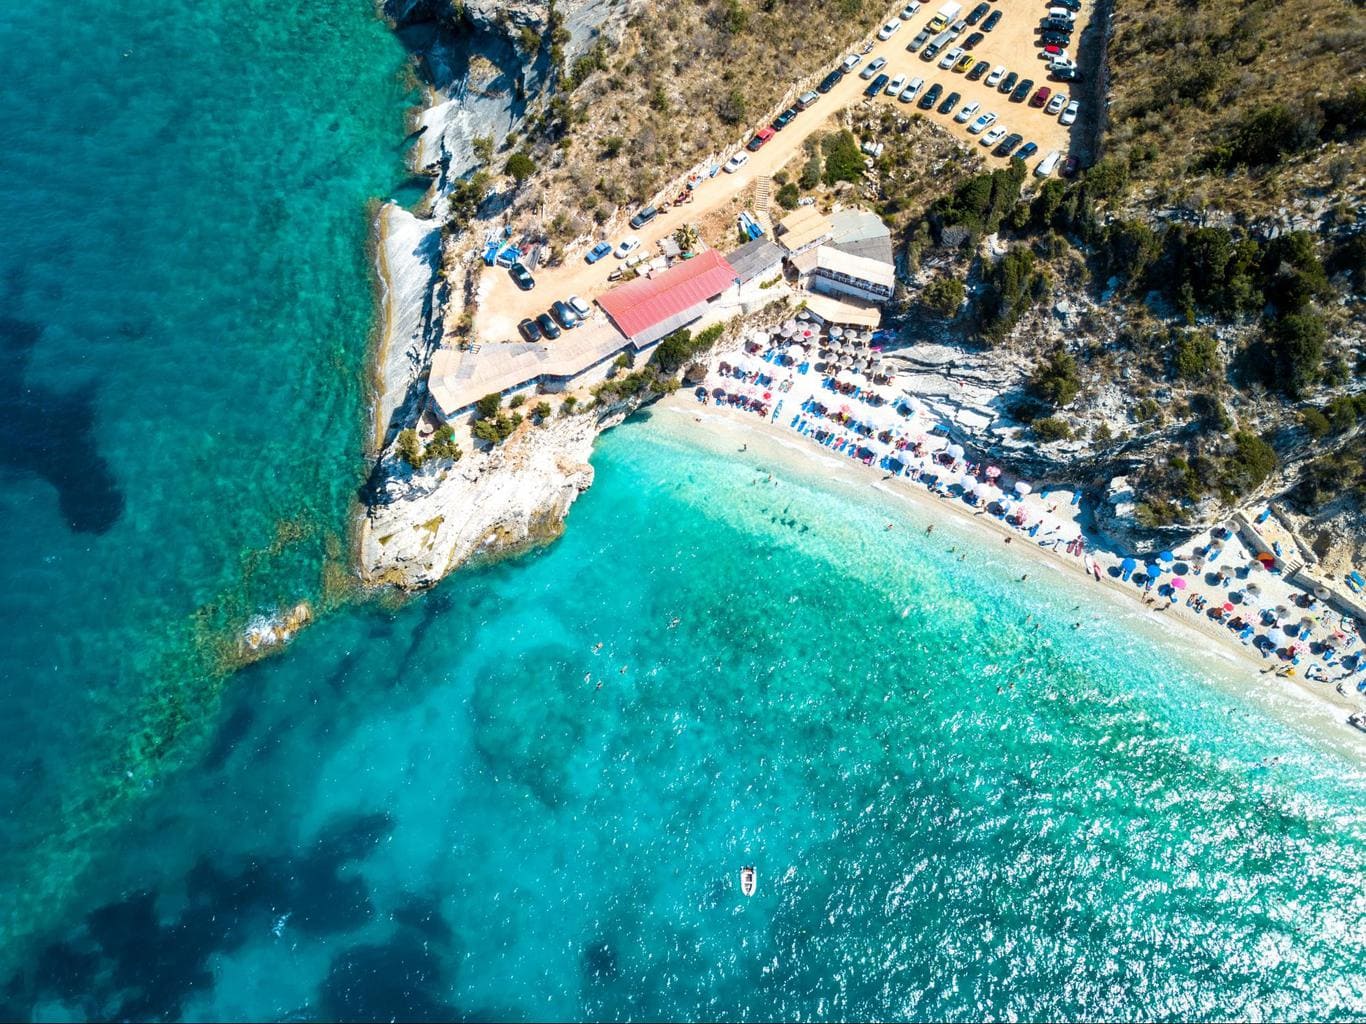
point(628, 245)
point(951, 58)
point(888, 30)
point(982, 123)
point(997, 73)
point(850, 62)
point(873, 68)
point(1069, 113)
point(895, 86)
point(994, 136)
point(579, 306)
point(736, 162)
point(1055, 103)
point(911, 91)
point(965, 115)
point(908, 12)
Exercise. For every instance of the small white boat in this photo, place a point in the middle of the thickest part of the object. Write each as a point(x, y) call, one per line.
point(747, 881)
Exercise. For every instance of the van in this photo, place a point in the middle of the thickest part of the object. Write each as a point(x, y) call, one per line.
point(1047, 164)
point(807, 100)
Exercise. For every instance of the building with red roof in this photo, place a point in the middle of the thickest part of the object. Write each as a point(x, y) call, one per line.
point(649, 308)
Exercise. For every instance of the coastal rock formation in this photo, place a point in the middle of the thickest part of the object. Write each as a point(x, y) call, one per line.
point(421, 525)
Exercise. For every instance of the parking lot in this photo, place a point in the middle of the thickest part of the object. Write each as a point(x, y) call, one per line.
point(1012, 44)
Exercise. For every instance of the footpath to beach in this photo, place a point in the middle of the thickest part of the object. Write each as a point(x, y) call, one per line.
point(737, 427)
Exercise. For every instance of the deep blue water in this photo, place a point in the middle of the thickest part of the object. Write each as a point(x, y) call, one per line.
point(958, 805)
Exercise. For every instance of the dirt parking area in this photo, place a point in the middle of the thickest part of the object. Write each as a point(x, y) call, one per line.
point(1012, 44)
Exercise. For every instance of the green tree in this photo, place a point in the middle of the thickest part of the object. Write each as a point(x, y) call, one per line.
point(1245, 468)
point(811, 171)
point(732, 109)
point(1055, 379)
point(520, 166)
point(788, 195)
point(488, 406)
point(1196, 357)
point(943, 296)
point(1299, 341)
point(843, 161)
point(409, 447)
point(483, 148)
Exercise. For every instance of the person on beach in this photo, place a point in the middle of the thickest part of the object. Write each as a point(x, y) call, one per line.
point(1009, 539)
point(929, 529)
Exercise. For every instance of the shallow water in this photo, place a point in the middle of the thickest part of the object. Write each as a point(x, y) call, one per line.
point(958, 805)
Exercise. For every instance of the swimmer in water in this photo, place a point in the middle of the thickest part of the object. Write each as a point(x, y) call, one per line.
point(673, 623)
point(623, 669)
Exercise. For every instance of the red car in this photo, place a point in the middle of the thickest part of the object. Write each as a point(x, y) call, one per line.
point(760, 137)
point(1041, 97)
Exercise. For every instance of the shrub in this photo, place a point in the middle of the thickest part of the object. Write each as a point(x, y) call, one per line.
point(443, 446)
point(409, 447)
point(1315, 423)
point(516, 401)
point(488, 406)
point(1131, 247)
point(944, 296)
point(679, 348)
point(520, 166)
point(1051, 428)
point(788, 195)
point(980, 203)
point(1292, 274)
point(1055, 380)
point(843, 161)
point(1107, 179)
point(1345, 115)
point(611, 146)
point(497, 429)
point(811, 171)
point(1298, 341)
point(483, 148)
point(1196, 357)
point(732, 108)
point(1247, 466)
point(1264, 138)
point(541, 412)
point(1013, 285)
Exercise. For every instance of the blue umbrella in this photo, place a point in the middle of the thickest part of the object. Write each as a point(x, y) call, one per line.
point(1153, 570)
point(1166, 557)
point(1128, 565)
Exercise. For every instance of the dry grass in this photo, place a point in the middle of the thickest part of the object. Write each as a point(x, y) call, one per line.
point(1186, 73)
point(687, 81)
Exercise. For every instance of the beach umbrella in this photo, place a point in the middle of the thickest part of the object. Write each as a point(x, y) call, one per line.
point(1253, 589)
point(796, 352)
point(1152, 570)
point(954, 451)
point(1228, 606)
point(1022, 488)
point(1281, 611)
point(1166, 557)
point(1226, 573)
point(993, 472)
point(1178, 583)
point(837, 332)
point(1321, 593)
point(1128, 564)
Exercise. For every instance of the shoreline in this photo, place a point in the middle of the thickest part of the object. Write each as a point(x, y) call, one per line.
point(1191, 634)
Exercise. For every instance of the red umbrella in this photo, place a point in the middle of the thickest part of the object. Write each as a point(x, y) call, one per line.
point(767, 396)
point(1228, 607)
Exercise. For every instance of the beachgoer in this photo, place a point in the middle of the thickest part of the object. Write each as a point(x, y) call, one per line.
point(1009, 539)
point(929, 529)
point(1024, 577)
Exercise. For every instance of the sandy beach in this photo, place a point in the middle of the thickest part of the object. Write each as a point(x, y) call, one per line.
point(1188, 630)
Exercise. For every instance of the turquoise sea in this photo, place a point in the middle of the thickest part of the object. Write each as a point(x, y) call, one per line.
point(527, 794)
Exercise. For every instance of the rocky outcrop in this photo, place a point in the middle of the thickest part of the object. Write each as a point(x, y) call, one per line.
point(422, 525)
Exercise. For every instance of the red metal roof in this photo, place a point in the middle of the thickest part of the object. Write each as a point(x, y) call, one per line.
point(638, 305)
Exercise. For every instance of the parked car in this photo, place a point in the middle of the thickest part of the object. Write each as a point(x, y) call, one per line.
point(1021, 92)
point(1047, 164)
point(735, 163)
point(895, 86)
point(1063, 72)
point(964, 62)
point(1008, 143)
point(997, 73)
point(951, 58)
point(754, 145)
point(950, 101)
point(931, 96)
point(979, 69)
point(830, 81)
point(784, 119)
point(1071, 5)
point(1026, 151)
point(983, 122)
point(908, 12)
point(874, 66)
point(888, 30)
point(849, 63)
point(580, 308)
point(911, 91)
point(923, 37)
point(876, 85)
point(563, 315)
point(1041, 97)
point(807, 100)
point(977, 13)
point(1056, 102)
point(972, 40)
point(598, 252)
point(992, 137)
point(528, 330)
point(644, 217)
point(548, 326)
point(993, 19)
point(1058, 40)
point(1008, 83)
point(965, 115)
point(958, 27)
point(628, 245)
point(1069, 167)
point(1069, 113)
point(522, 277)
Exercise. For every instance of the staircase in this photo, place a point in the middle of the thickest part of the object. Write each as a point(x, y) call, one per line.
point(763, 193)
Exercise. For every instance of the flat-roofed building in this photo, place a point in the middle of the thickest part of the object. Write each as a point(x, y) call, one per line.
point(649, 308)
point(803, 229)
point(842, 273)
